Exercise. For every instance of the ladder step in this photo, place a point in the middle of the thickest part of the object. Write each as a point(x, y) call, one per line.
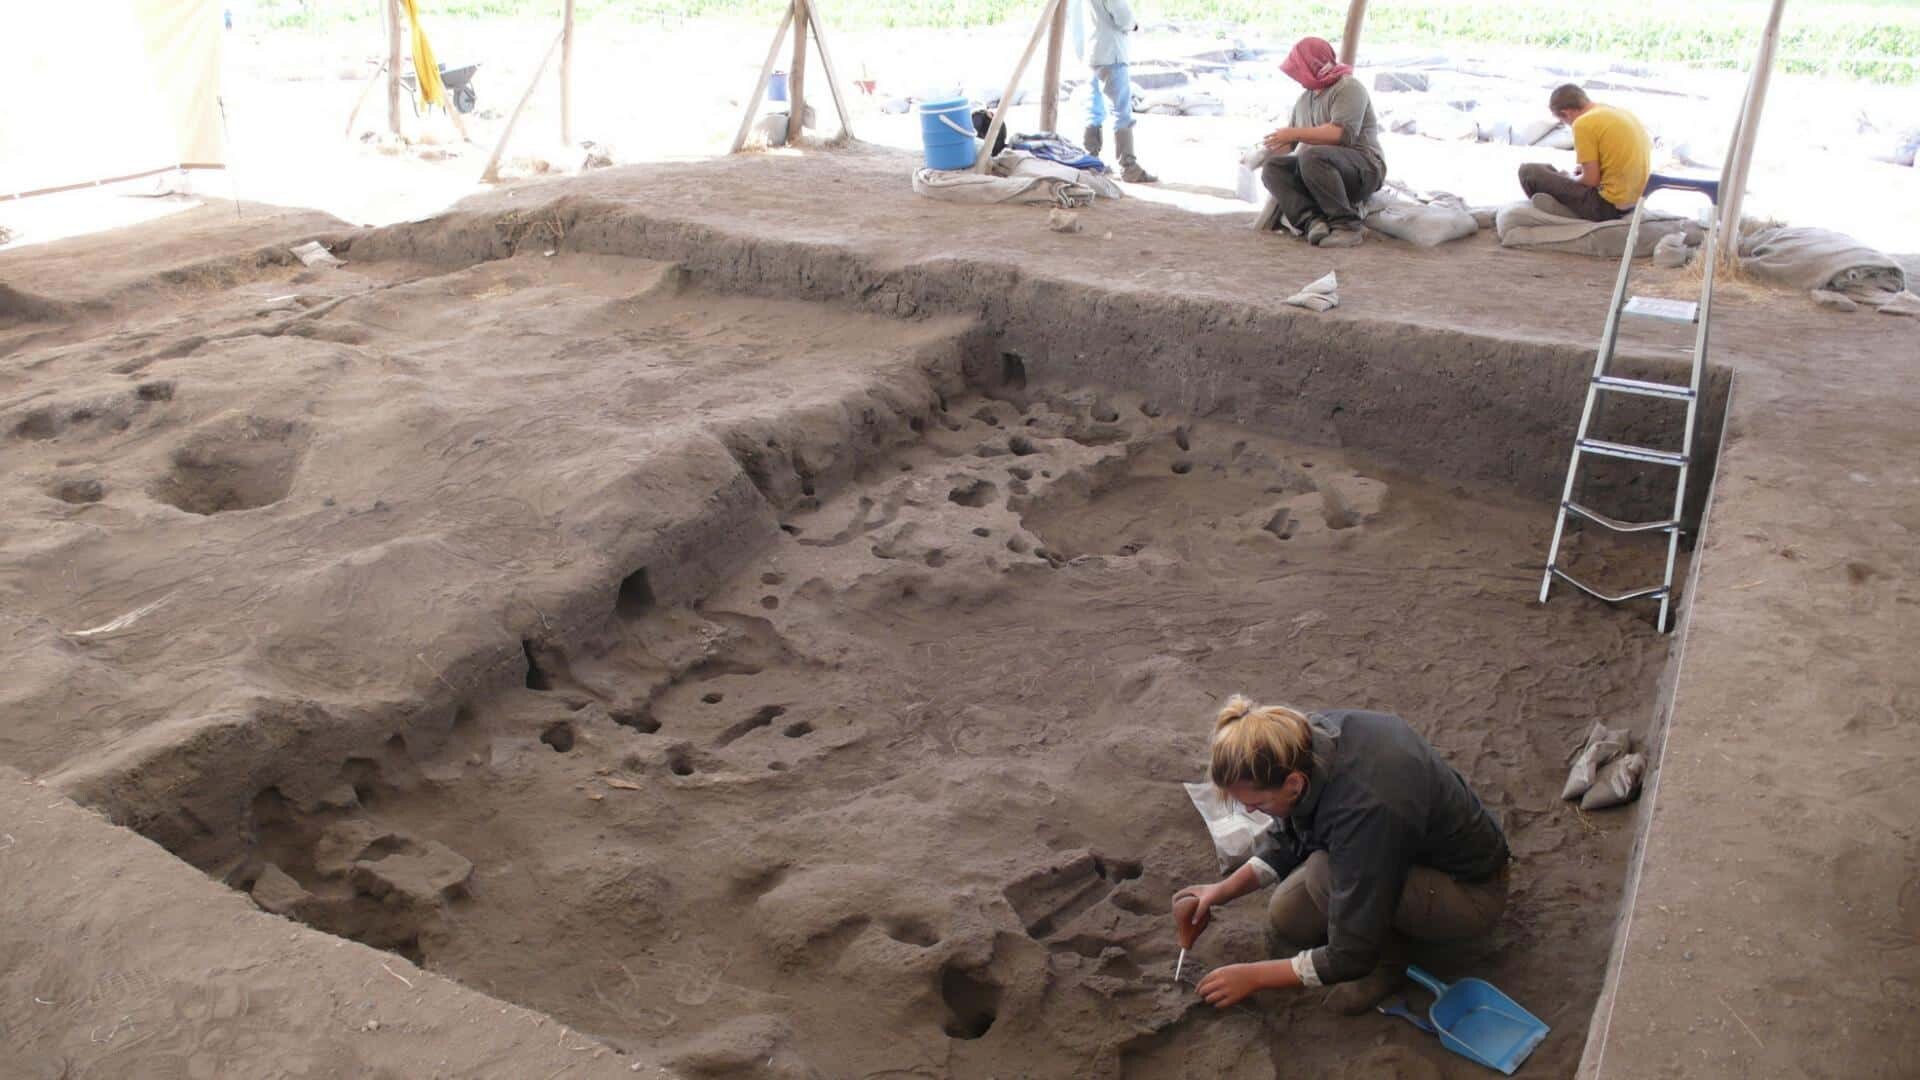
point(1643, 388)
point(1655, 592)
point(1661, 309)
point(1616, 524)
point(1631, 453)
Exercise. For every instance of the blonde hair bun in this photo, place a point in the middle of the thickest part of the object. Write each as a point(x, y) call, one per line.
point(1259, 744)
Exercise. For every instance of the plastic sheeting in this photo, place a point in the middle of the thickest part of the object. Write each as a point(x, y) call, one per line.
point(98, 90)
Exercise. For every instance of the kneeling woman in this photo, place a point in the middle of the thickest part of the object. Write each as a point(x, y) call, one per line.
point(1376, 840)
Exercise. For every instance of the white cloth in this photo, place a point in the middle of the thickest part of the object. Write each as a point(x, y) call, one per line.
point(1320, 295)
point(1233, 827)
point(981, 190)
point(1806, 258)
point(1901, 303)
point(105, 89)
point(1523, 225)
point(1019, 163)
point(1303, 967)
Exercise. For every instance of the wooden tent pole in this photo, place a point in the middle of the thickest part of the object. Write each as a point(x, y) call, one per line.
point(492, 171)
point(393, 65)
point(566, 74)
point(797, 76)
point(834, 85)
point(365, 92)
point(1050, 93)
point(760, 88)
point(1350, 38)
point(1006, 99)
point(1733, 177)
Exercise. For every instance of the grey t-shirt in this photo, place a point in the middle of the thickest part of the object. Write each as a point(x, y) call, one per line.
point(1348, 104)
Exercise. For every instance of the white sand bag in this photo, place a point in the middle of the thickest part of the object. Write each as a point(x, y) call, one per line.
point(1426, 225)
point(1618, 783)
point(1602, 746)
point(1320, 295)
point(1233, 828)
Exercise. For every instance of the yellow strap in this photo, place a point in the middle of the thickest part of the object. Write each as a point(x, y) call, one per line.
point(425, 71)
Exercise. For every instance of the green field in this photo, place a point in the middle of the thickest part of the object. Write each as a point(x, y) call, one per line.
point(1877, 40)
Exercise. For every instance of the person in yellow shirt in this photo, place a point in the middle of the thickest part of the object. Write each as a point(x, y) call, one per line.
point(1614, 156)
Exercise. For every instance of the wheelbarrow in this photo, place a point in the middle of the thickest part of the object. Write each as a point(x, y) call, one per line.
point(459, 84)
point(1475, 1020)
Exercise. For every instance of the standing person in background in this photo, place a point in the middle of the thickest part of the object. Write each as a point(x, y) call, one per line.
point(1613, 153)
point(1330, 150)
point(1113, 24)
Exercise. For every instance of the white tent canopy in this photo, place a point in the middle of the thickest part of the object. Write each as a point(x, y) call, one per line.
point(100, 90)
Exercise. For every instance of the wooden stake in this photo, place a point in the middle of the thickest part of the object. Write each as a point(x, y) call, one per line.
point(566, 74)
point(365, 92)
point(834, 85)
point(1050, 93)
point(393, 65)
point(1006, 99)
point(797, 76)
point(1350, 37)
point(1733, 175)
point(492, 171)
point(760, 88)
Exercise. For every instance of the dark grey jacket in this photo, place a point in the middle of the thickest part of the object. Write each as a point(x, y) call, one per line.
point(1380, 801)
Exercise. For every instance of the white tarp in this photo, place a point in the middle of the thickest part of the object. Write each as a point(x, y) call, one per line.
point(94, 90)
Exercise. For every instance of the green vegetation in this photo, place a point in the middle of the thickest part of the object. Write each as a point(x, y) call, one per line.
point(1878, 40)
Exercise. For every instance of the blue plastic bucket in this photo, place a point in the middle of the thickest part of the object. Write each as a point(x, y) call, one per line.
point(777, 86)
point(946, 130)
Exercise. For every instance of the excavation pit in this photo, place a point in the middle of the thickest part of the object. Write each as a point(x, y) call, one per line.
point(925, 804)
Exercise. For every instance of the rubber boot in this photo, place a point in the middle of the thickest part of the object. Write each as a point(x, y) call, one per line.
point(1130, 169)
point(1363, 994)
point(1091, 140)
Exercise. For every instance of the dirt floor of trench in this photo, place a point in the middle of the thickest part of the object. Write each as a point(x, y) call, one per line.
point(897, 793)
point(902, 797)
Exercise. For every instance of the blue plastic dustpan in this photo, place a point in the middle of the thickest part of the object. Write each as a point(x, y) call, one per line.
point(1476, 1021)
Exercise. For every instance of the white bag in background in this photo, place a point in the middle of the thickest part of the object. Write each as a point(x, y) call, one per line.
point(1233, 828)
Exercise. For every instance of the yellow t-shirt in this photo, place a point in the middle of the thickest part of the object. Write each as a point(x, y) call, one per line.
point(1615, 139)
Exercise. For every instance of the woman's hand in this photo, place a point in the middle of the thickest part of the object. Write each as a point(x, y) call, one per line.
point(1193, 911)
point(1230, 985)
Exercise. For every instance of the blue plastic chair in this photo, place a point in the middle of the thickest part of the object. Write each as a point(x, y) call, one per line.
point(1475, 1020)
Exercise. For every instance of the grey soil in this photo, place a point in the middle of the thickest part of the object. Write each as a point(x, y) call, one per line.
point(467, 609)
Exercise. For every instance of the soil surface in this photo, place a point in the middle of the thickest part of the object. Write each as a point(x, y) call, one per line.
point(444, 808)
point(723, 678)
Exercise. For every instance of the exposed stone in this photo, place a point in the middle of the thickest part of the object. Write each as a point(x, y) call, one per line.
point(1353, 500)
point(424, 874)
point(277, 892)
point(347, 842)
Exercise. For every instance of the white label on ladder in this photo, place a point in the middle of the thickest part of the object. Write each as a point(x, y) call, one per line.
point(1656, 307)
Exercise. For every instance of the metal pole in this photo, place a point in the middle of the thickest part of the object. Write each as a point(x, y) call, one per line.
point(566, 74)
point(1733, 178)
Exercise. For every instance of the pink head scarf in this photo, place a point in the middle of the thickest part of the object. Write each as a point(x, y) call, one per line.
point(1312, 64)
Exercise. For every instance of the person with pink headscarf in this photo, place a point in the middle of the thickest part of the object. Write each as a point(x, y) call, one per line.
point(1329, 157)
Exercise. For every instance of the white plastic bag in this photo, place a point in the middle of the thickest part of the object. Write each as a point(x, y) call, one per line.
point(1233, 828)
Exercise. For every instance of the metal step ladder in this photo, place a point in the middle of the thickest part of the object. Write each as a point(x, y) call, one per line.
point(1603, 382)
